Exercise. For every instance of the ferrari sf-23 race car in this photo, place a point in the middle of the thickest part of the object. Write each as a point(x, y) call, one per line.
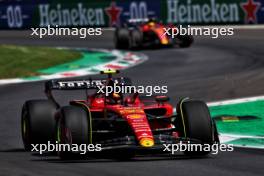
point(118, 122)
point(146, 33)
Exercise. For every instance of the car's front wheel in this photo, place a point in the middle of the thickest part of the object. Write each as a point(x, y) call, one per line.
point(74, 128)
point(194, 122)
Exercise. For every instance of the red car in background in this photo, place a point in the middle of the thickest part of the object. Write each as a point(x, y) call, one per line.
point(144, 33)
point(122, 123)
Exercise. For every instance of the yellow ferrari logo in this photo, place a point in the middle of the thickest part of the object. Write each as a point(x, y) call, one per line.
point(146, 142)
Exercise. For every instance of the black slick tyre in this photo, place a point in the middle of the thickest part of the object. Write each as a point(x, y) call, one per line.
point(74, 127)
point(38, 125)
point(196, 123)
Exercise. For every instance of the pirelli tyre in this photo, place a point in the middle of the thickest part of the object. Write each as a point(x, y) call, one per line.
point(195, 123)
point(122, 38)
point(38, 125)
point(136, 38)
point(74, 127)
point(185, 41)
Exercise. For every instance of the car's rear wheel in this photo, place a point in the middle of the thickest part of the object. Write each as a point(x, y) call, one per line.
point(38, 125)
point(195, 122)
point(74, 127)
point(136, 38)
point(122, 38)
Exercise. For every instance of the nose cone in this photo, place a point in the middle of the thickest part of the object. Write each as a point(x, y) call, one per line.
point(138, 122)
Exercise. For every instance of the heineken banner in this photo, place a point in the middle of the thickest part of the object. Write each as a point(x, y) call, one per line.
point(22, 14)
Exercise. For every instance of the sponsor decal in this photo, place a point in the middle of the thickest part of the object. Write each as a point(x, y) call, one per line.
point(209, 12)
point(75, 16)
point(135, 116)
point(131, 111)
point(251, 8)
point(113, 13)
point(213, 11)
point(76, 84)
point(140, 10)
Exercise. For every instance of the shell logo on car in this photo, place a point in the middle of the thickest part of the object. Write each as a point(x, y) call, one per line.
point(135, 116)
point(130, 111)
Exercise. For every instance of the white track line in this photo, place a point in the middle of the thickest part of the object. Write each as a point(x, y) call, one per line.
point(241, 136)
point(120, 56)
point(235, 101)
point(249, 146)
point(232, 101)
point(233, 26)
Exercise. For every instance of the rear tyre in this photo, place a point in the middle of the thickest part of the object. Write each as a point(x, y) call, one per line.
point(74, 127)
point(185, 41)
point(196, 123)
point(122, 38)
point(38, 125)
point(136, 38)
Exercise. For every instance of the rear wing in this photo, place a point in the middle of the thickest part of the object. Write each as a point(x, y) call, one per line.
point(72, 85)
point(81, 85)
point(84, 84)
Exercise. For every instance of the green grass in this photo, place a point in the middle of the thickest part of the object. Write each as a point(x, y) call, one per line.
point(22, 61)
point(243, 127)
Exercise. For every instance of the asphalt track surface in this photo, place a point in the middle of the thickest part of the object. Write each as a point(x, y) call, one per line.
point(212, 69)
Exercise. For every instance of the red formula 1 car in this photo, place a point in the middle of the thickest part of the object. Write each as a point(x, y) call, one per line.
point(124, 123)
point(144, 33)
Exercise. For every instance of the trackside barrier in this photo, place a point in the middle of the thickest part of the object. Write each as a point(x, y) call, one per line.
point(22, 14)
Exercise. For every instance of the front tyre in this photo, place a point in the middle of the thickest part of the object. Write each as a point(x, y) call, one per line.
point(196, 123)
point(74, 127)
